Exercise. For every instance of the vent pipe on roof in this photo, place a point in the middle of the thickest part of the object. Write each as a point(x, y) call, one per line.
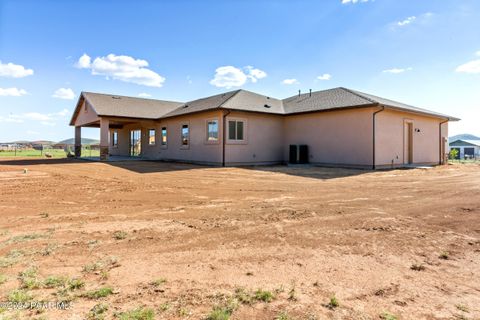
point(299, 92)
point(310, 93)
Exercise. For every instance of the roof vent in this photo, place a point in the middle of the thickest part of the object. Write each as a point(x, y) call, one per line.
point(185, 106)
point(115, 97)
point(299, 93)
point(267, 106)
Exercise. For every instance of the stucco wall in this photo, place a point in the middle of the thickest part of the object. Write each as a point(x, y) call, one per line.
point(264, 139)
point(335, 138)
point(86, 115)
point(391, 136)
point(342, 138)
point(199, 150)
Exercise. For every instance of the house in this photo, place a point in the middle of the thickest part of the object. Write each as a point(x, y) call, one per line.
point(335, 127)
point(467, 149)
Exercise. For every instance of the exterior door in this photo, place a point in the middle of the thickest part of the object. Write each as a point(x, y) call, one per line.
point(469, 153)
point(408, 143)
point(135, 143)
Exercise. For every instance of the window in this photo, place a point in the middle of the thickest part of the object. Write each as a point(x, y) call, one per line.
point(212, 130)
point(164, 136)
point(185, 135)
point(115, 138)
point(151, 137)
point(235, 130)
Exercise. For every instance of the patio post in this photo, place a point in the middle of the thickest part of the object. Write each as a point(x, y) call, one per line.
point(104, 132)
point(78, 142)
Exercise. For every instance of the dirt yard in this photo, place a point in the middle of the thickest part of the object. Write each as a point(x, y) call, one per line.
point(187, 242)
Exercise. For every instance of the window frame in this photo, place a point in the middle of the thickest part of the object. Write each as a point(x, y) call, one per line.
point(154, 137)
point(185, 146)
point(164, 145)
point(245, 127)
point(207, 132)
point(115, 141)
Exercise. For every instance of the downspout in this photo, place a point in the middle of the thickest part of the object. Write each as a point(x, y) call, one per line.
point(440, 140)
point(373, 149)
point(224, 132)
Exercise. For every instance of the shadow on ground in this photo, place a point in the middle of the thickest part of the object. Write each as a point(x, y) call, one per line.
point(146, 166)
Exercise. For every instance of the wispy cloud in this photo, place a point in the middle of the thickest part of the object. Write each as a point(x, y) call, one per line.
point(230, 76)
point(64, 93)
point(46, 119)
point(406, 21)
point(354, 1)
point(12, 92)
point(12, 70)
point(472, 67)
point(397, 70)
point(123, 68)
point(324, 77)
point(290, 81)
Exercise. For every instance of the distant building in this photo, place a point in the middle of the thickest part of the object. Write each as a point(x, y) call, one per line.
point(467, 149)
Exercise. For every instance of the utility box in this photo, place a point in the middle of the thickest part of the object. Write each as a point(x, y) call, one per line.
point(303, 153)
point(293, 158)
point(298, 153)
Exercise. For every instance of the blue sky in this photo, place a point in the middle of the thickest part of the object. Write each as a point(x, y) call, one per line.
point(425, 53)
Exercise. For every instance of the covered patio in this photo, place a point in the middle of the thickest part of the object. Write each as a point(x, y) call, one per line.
point(117, 116)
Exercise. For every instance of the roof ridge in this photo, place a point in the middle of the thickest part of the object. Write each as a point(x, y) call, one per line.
point(129, 97)
point(233, 95)
point(359, 94)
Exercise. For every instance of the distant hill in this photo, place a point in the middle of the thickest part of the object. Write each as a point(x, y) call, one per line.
point(464, 136)
point(85, 141)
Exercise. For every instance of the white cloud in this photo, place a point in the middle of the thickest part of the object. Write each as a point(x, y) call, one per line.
point(14, 70)
point(406, 21)
point(12, 92)
point(64, 93)
point(397, 70)
point(472, 67)
point(230, 76)
point(290, 81)
point(325, 76)
point(353, 1)
point(46, 119)
point(254, 74)
point(477, 53)
point(83, 62)
point(144, 95)
point(123, 68)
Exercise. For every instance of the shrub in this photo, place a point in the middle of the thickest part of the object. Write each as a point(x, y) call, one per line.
point(54, 281)
point(99, 293)
point(19, 296)
point(417, 267)
point(3, 279)
point(388, 316)
point(74, 284)
point(263, 295)
point(120, 235)
point(137, 314)
point(219, 314)
point(443, 255)
point(97, 312)
point(333, 303)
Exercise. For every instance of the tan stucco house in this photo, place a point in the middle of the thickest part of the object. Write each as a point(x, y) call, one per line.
point(335, 127)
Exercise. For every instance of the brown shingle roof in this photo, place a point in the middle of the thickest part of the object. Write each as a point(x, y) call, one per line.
point(337, 98)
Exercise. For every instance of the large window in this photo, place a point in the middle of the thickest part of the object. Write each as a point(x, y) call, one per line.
point(164, 136)
point(115, 138)
point(185, 135)
point(212, 130)
point(235, 130)
point(151, 137)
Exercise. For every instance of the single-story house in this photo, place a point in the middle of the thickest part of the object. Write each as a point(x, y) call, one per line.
point(335, 127)
point(467, 149)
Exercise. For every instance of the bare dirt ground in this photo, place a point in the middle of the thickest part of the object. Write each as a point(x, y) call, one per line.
point(183, 240)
